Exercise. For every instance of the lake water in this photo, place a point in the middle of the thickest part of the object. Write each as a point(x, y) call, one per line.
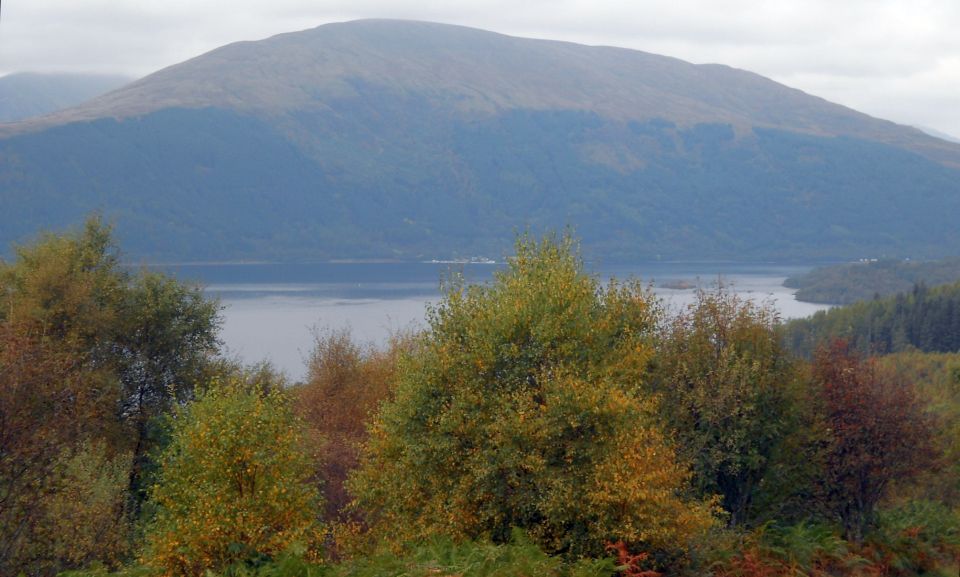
point(272, 309)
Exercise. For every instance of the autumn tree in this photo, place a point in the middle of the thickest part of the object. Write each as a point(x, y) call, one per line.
point(729, 395)
point(89, 353)
point(346, 381)
point(57, 299)
point(52, 398)
point(936, 378)
point(879, 433)
point(234, 483)
point(521, 407)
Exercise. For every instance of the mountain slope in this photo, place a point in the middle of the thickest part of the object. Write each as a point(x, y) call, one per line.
point(380, 139)
point(24, 95)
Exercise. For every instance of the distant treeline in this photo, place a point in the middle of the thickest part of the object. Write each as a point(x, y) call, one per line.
point(848, 283)
point(925, 319)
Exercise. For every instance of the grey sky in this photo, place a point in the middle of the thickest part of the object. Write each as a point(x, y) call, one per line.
point(896, 59)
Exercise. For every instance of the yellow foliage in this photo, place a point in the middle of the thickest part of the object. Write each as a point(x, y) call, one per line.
point(520, 408)
point(234, 484)
point(85, 519)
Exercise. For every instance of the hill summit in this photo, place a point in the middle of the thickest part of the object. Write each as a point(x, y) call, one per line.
point(398, 139)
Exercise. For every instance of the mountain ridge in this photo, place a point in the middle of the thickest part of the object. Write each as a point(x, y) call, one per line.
point(408, 140)
point(215, 89)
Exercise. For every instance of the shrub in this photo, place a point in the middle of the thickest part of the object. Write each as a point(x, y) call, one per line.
point(442, 557)
point(233, 485)
point(915, 538)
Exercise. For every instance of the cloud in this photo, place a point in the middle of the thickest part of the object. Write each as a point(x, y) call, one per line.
point(892, 58)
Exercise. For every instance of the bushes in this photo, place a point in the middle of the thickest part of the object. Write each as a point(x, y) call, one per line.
point(439, 557)
point(804, 549)
point(233, 484)
point(86, 519)
point(443, 557)
point(915, 538)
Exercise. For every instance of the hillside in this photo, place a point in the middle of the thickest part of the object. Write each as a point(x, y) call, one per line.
point(851, 282)
point(922, 319)
point(395, 139)
point(24, 95)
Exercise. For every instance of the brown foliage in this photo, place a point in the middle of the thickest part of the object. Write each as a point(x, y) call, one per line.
point(88, 354)
point(879, 433)
point(51, 398)
point(345, 384)
point(937, 377)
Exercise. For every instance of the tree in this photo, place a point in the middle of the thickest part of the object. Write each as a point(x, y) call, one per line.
point(936, 378)
point(57, 299)
point(51, 400)
point(728, 389)
point(163, 344)
point(89, 352)
point(234, 483)
point(521, 407)
point(879, 433)
point(346, 382)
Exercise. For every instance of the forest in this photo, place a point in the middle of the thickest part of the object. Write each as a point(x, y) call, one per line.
point(545, 424)
point(923, 319)
point(857, 281)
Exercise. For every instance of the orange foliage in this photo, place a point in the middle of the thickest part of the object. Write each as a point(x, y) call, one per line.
point(630, 565)
point(345, 385)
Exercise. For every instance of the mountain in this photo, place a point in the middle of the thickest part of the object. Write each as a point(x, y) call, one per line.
point(941, 135)
point(398, 139)
point(27, 94)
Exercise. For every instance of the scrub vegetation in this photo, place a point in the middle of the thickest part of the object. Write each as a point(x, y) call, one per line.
point(544, 424)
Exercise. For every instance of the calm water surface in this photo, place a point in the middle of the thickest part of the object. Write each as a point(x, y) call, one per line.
point(272, 309)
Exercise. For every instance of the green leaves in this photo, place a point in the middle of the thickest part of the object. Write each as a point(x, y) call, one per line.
point(520, 408)
point(729, 395)
point(89, 353)
point(234, 480)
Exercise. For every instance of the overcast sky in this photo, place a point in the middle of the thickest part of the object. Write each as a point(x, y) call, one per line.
point(896, 59)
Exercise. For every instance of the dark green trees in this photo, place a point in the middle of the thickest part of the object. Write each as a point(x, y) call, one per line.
point(927, 319)
point(728, 389)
